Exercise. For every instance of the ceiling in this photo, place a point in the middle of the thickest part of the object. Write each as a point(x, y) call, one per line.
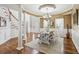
point(34, 8)
point(60, 8)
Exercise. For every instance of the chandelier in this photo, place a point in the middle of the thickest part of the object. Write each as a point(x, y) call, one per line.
point(47, 9)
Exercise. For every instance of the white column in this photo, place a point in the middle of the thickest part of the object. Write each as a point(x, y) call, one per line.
point(20, 40)
point(25, 32)
point(33, 37)
point(28, 29)
point(25, 37)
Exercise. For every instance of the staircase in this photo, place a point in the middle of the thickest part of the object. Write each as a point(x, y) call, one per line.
point(14, 22)
point(14, 28)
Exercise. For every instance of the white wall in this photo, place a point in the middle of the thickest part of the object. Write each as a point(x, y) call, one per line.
point(75, 29)
point(9, 31)
point(32, 23)
point(4, 31)
point(35, 24)
point(75, 37)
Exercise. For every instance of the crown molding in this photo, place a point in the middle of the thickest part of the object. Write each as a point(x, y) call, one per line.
point(32, 13)
point(61, 14)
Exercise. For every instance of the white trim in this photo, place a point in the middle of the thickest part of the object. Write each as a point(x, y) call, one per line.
point(4, 41)
point(25, 44)
point(19, 48)
point(24, 39)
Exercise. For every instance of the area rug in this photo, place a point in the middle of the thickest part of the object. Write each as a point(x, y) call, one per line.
point(55, 47)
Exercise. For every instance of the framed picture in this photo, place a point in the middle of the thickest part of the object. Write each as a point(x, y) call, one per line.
point(75, 17)
point(2, 22)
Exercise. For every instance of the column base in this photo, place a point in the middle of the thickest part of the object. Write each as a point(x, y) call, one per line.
point(24, 39)
point(19, 48)
point(25, 44)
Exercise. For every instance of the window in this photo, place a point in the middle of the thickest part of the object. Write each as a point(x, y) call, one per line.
point(59, 23)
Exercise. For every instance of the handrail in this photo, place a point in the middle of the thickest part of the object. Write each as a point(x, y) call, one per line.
point(11, 14)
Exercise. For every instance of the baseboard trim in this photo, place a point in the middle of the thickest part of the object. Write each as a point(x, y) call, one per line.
point(7, 40)
point(4, 41)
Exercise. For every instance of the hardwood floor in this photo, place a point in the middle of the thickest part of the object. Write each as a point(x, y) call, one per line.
point(69, 47)
point(10, 48)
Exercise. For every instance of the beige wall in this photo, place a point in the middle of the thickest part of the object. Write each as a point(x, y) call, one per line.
point(67, 20)
point(42, 22)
